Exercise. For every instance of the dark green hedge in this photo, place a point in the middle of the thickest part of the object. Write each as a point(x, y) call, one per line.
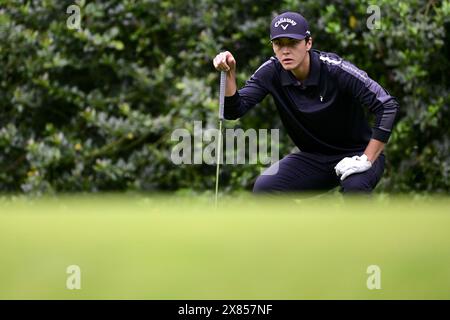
point(94, 109)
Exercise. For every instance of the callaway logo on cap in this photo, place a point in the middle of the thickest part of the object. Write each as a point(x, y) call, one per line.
point(289, 25)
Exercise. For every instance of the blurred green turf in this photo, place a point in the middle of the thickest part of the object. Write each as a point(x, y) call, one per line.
point(137, 247)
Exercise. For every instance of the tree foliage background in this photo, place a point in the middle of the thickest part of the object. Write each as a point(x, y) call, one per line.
point(94, 109)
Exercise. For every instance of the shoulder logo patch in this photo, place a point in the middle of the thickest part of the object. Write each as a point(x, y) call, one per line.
point(329, 60)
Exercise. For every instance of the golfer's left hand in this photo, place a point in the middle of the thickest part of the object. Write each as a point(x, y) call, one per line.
point(348, 166)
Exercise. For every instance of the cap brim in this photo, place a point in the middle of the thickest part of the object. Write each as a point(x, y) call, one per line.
point(289, 35)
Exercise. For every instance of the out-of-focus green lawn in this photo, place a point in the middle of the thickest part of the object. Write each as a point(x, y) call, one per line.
point(136, 247)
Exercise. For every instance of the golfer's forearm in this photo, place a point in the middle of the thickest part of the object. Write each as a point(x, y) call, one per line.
point(231, 84)
point(373, 149)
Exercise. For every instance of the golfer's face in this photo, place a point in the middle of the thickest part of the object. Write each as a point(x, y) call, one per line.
point(290, 52)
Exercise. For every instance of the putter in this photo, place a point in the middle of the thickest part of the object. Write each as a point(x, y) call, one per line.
point(219, 141)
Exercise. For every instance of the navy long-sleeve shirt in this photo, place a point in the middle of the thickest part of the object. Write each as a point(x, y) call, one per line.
point(324, 114)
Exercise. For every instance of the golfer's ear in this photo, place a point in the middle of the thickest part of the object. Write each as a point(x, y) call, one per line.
point(309, 43)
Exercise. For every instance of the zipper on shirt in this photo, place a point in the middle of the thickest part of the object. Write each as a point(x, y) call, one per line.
point(322, 92)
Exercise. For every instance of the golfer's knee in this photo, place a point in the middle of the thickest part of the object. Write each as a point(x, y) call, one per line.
point(263, 184)
point(354, 184)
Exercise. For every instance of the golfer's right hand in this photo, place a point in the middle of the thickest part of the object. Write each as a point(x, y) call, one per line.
point(224, 61)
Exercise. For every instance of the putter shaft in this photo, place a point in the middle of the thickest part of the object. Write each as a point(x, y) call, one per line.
point(219, 142)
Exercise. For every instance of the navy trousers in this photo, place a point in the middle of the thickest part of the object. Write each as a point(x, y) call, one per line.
point(302, 171)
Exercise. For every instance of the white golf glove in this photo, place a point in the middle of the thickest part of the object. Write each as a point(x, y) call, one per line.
point(348, 166)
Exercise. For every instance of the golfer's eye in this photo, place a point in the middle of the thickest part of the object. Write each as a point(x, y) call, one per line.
point(276, 43)
point(289, 43)
point(292, 43)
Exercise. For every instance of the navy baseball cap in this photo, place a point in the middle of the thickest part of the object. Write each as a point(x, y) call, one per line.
point(289, 25)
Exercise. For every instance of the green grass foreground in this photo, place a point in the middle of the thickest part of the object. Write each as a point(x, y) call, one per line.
point(140, 247)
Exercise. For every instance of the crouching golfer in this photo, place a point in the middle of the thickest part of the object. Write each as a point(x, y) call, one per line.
point(322, 100)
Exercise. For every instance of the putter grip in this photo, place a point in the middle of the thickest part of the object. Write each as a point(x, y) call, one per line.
point(223, 78)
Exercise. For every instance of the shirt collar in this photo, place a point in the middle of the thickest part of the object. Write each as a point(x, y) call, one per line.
point(287, 78)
